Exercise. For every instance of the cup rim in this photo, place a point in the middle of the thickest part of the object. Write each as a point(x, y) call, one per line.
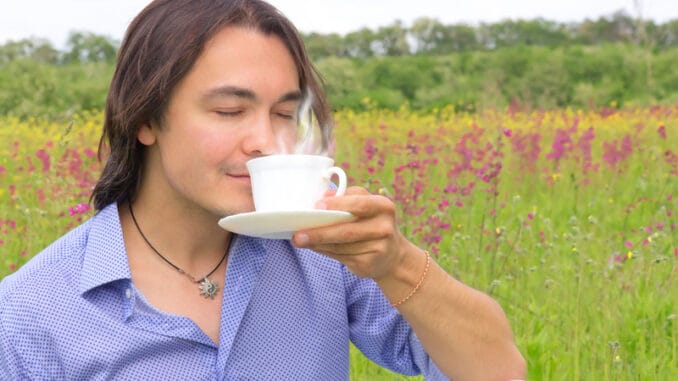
point(294, 158)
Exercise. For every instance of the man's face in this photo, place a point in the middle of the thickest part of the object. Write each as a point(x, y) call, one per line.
point(238, 101)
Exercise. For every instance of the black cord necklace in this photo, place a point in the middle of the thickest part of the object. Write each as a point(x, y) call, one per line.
point(208, 288)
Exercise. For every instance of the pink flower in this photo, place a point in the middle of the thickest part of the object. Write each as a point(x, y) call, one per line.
point(626, 146)
point(90, 153)
point(628, 244)
point(561, 144)
point(613, 155)
point(44, 158)
point(530, 216)
point(507, 132)
point(451, 189)
point(370, 149)
point(662, 131)
point(81, 208)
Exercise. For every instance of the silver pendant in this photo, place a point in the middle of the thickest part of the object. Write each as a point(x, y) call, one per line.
point(208, 288)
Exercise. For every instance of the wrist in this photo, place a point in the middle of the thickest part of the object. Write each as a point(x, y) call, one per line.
point(406, 279)
point(419, 283)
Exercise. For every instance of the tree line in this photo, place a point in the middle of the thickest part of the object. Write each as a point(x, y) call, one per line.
point(615, 60)
point(426, 36)
point(431, 37)
point(81, 47)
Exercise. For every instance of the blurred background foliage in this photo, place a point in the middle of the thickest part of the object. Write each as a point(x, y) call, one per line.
point(615, 60)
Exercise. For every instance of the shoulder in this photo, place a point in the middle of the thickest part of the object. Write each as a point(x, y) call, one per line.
point(63, 259)
point(54, 273)
point(55, 266)
point(31, 296)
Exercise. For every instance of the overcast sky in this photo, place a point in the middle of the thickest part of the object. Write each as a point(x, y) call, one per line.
point(54, 19)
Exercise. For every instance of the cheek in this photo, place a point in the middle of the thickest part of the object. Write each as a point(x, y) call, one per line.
point(216, 149)
point(196, 151)
point(286, 139)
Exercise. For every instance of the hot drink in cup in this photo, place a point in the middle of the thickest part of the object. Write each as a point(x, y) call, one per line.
point(292, 182)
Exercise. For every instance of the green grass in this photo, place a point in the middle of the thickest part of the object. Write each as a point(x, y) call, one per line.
point(584, 262)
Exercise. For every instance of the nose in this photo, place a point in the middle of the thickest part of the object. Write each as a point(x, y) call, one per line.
point(261, 137)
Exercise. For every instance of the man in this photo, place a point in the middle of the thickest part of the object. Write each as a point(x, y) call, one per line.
point(152, 288)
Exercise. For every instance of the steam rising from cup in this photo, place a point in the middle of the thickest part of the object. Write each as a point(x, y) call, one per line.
point(311, 137)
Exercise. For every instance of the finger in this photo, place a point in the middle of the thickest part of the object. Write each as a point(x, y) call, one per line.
point(349, 232)
point(355, 190)
point(360, 205)
point(349, 191)
point(349, 249)
point(364, 263)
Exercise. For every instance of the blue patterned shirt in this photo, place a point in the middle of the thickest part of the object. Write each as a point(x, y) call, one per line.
point(73, 313)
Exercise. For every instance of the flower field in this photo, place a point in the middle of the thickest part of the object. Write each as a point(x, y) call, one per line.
point(567, 218)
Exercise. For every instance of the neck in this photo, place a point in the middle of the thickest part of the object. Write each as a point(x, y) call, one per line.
point(185, 236)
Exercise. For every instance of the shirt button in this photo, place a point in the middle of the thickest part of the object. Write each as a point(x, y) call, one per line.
point(128, 293)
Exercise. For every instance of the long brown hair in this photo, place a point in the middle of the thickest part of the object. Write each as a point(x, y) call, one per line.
point(160, 46)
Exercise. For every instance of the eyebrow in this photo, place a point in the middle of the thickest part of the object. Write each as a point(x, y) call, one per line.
point(240, 92)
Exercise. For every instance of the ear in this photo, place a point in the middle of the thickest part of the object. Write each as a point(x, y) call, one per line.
point(146, 133)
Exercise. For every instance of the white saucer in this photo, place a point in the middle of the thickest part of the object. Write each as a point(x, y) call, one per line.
point(281, 224)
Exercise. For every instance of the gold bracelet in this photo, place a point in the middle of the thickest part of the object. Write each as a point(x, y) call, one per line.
point(421, 280)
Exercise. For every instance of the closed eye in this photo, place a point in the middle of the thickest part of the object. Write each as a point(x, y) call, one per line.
point(286, 116)
point(229, 113)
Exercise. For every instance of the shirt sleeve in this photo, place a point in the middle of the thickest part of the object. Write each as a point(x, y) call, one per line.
point(11, 367)
point(381, 333)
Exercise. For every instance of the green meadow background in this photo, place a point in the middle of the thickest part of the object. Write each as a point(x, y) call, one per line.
point(537, 161)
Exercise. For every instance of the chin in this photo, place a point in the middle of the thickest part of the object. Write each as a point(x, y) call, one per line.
point(234, 208)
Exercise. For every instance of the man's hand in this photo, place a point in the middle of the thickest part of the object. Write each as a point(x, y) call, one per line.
point(371, 246)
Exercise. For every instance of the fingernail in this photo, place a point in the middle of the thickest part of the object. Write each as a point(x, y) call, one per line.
point(321, 205)
point(301, 239)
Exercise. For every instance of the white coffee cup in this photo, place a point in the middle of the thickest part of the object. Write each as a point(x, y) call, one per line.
point(292, 182)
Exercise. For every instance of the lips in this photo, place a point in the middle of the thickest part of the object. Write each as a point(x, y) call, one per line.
point(244, 177)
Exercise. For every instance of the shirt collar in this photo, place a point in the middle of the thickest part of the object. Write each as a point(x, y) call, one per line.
point(105, 258)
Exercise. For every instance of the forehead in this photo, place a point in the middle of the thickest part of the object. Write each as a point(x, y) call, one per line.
point(241, 56)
